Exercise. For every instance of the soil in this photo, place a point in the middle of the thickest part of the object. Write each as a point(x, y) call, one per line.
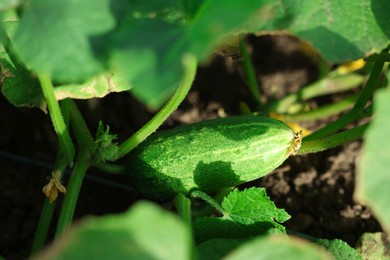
point(316, 189)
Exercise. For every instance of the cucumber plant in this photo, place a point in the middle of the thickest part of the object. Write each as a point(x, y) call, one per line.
point(53, 52)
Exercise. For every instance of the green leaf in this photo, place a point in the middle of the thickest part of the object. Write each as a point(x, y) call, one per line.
point(340, 30)
point(217, 248)
point(278, 247)
point(374, 246)
point(143, 232)
point(64, 39)
point(373, 175)
point(339, 249)
point(245, 213)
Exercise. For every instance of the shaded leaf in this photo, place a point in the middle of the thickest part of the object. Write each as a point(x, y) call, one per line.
point(20, 88)
point(64, 39)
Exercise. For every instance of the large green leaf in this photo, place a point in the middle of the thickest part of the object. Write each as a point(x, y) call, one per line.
point(340, 30)
point(245, 213)
point(373, 176)
point(144, 232)
point(74, 41)
point(64, 39)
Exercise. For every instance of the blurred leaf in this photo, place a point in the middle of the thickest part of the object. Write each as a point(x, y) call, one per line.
point(340, 30)
point(190, 7)
point(339, 249)
point(8, 25)
point(143, 232)
point(146, 53)
point(8, 4)
point(217, 248)
point(373, 175)
point(374, 246)
point(150, 51)
point(246, 213)
point(64, 39)
point(278, 247)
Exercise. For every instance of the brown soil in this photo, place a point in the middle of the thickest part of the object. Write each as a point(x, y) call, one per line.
point(316, 190)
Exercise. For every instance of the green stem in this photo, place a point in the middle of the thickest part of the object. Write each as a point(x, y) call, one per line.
point(358, 108)
point(183, 205)
point(80, 128)
point(56, 117)
point(201, 195)
point(332, 141)
point(322, 87)
point(250, 74)
point(72, 193)
point(324, 111)
point(87, 146)
point(190, 64)
point(48, 208)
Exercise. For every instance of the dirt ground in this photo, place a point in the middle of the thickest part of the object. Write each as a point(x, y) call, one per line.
point(316, 189)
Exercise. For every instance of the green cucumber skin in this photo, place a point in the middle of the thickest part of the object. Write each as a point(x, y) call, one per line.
point(210, 155)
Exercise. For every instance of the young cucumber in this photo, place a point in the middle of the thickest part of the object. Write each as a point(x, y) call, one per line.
point(210, 155)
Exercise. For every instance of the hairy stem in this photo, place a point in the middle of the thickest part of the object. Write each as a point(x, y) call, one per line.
point(56, 117)
point(322, 87)
point(151, 126)
point(324, 111)
point(48, 208)
point(203, 196)
point(73, 190)
point(332, 141)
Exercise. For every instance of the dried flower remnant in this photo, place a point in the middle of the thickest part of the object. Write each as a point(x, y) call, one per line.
point(54, 185)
